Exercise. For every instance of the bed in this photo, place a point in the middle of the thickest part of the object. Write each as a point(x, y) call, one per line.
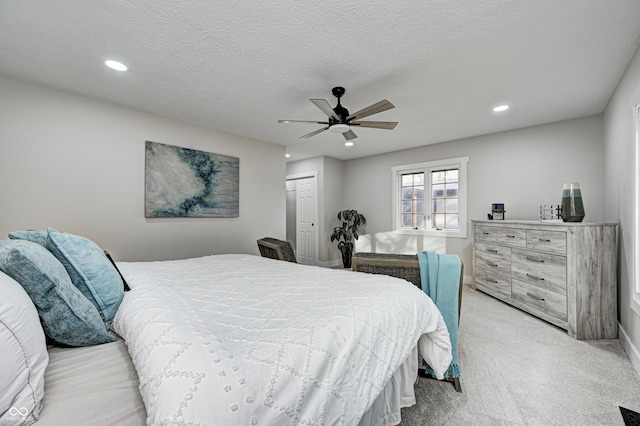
point(234, 339)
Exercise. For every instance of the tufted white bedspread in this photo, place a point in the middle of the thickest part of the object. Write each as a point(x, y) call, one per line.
point(246, 340)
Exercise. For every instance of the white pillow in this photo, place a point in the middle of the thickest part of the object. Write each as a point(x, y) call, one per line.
point(23, 355)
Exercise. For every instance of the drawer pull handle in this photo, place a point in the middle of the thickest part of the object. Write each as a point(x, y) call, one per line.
point(535, 278)
point(491, 280)
point(511, 236)
point(544, 240)
point(535, 297)
point(492, 251)
point(495, 265)
point(485, 233)
point(533, 259)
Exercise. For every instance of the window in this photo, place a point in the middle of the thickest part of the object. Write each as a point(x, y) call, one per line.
point(635, 285)
point(413, 200)
point(444, 195)
point(430, 198)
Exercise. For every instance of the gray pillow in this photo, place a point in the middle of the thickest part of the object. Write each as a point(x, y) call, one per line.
point(67, 316)
point(90, 271)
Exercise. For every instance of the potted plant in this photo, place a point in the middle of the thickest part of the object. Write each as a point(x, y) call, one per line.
point(352, 221)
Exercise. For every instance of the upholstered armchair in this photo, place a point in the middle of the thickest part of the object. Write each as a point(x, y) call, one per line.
point(403, 266)
point(276, 249)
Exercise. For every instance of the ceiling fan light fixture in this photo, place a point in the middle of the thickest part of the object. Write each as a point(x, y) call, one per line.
point(339, 128)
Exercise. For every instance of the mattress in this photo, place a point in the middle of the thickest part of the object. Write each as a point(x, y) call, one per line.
point(94, 385)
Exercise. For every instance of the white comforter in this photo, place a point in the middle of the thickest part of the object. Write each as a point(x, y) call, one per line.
point(245, 340)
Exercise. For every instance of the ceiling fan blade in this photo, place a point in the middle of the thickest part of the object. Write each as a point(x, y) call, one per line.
point(308, 135)
point(325, 107)
point(348, 135)
point(372, 109)
point(389, 125)
point(302, 121)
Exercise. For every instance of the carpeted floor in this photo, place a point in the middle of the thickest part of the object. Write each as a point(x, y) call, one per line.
point(519, 370)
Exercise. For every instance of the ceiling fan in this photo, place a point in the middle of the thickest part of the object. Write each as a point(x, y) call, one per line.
point(340, 121)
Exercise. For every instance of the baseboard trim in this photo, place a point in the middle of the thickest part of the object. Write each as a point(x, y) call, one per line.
point(632, 351)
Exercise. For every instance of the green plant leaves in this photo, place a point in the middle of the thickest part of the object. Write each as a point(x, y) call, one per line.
point(352, 221)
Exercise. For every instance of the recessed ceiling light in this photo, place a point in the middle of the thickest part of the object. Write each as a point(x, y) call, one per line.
point(348, 143)
point(287, 155)
point(501, 108)
point(115, 65)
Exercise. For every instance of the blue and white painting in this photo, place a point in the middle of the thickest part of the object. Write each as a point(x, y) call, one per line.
point(183, 182)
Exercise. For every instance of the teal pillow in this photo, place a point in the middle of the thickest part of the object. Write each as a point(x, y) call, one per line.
point(32, 235)
point(90, 271)
point(67, 316)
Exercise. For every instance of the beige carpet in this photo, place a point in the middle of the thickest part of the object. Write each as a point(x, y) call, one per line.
point(519, 370)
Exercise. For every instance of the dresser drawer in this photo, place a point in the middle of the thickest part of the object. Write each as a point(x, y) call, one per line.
point(484, 233)
point(499, 235)
point(494, 257)
point(538, 298)
point(551, 241)
point(547, 271)
point(493, 283)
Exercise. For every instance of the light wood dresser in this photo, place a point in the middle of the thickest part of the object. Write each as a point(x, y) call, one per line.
point(563, 273)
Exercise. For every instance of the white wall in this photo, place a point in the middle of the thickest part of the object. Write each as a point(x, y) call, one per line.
point(618, 195)
point(333, 203)
point(522, 169)
point(76, 164)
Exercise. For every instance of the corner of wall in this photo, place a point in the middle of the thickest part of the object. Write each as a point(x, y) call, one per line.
point(632, 352)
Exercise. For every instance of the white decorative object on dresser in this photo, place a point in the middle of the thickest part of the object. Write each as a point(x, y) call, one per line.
point(563, 273)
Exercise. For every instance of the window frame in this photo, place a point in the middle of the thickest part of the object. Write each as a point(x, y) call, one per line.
point(635, 214)
point(427, 167)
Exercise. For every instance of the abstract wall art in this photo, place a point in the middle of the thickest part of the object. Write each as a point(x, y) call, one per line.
point(183, 182)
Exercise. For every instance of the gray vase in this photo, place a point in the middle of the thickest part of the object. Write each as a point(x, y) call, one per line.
point(572, 207)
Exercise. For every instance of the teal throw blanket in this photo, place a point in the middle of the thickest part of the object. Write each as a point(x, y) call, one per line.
point(440, 279)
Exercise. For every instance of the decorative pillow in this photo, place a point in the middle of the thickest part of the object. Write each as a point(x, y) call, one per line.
point(90, 271)
point(23, 351)
point(126, 286)
point(33, 235)
point(67, 316)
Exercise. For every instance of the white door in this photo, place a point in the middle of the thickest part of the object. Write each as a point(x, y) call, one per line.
point(306, 218)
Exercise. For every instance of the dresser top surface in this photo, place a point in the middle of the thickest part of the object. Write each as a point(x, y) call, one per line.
point(539, 222)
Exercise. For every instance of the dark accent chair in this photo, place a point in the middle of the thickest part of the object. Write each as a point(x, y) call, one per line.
point(276, 249)
point(407, 267)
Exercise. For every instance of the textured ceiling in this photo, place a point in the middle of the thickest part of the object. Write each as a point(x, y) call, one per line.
point(239, 66)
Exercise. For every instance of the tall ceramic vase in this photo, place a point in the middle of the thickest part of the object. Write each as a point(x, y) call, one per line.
point(572, 207)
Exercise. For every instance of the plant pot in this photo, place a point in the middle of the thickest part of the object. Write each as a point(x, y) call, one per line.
point(346, 258)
